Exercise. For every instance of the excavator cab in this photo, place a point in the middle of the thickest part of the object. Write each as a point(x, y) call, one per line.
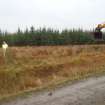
point(98, 34)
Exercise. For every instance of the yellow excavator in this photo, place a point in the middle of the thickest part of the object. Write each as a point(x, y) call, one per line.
point(98, 32)
point(100, 26)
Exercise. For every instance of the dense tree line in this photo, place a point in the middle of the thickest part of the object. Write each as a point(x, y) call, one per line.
point(47, 36)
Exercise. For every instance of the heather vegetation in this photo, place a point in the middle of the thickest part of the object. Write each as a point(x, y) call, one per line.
point(32, 68)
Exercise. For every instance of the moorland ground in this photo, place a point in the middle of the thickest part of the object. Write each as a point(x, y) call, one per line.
point(31, 67)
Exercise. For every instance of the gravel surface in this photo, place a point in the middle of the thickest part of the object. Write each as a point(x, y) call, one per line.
point(86, 92)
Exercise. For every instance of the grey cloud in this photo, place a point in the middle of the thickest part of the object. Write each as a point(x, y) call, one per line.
point(51, 13)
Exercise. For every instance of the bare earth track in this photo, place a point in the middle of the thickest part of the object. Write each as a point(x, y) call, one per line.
point(86, 92)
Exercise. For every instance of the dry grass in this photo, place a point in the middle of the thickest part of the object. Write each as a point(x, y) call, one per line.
point(25, 68)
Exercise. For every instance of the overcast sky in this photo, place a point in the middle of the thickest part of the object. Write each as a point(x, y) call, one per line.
point(58, 14)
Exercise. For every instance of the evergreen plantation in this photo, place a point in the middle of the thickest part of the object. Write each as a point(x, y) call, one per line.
point(47, 36)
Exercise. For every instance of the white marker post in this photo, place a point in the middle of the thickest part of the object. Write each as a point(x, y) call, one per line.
point(4, 47)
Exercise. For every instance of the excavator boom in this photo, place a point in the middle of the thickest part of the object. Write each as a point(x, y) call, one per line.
point(100, 26)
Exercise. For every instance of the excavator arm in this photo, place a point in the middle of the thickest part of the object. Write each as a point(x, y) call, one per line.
point(99, 27)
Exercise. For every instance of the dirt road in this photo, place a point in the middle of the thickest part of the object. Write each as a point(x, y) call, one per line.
point(86, 92)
